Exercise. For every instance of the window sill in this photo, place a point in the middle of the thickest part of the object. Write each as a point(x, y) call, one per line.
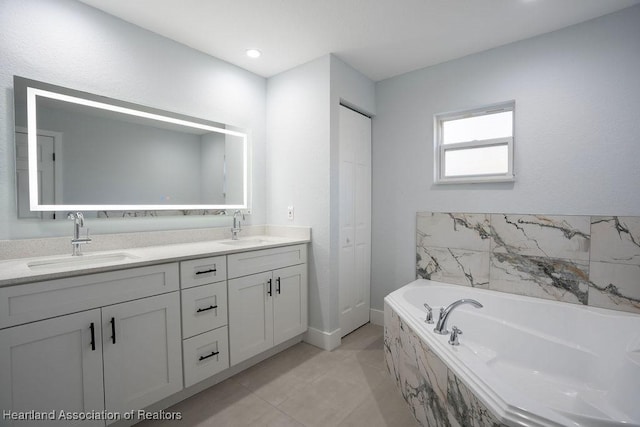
point(475, 180)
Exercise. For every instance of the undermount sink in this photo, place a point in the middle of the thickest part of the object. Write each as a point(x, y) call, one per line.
point(246, 242)
point(80, 260)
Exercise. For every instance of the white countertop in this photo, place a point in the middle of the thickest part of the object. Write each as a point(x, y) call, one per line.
point(26, 270)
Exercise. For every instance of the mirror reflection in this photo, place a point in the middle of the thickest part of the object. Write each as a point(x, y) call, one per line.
point(78, 151)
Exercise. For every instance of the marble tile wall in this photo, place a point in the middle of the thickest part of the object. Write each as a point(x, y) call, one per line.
point(435, 395)
point(590, 260)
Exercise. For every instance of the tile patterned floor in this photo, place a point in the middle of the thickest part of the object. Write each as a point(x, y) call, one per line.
point(304, 386)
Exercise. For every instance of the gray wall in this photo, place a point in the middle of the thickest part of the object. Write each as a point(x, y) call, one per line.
point(577, 98)
point(69, 44)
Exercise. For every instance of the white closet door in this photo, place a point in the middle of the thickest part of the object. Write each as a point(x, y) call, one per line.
point(355, 219)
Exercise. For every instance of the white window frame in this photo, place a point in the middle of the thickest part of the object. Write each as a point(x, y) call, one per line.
point(441, 149)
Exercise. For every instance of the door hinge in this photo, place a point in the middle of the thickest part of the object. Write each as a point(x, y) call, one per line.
point(54, 156)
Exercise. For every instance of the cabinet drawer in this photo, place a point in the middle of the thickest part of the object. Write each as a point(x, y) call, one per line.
point(40, 300)
point(205, 355)
point(246, 263)
point(203, 271)
point(203, 308)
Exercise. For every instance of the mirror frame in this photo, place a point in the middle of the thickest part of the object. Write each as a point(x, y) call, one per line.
point(34, 89)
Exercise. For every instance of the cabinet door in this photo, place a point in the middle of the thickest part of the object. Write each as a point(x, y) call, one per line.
point(250, 316)
point(289, 302)
point(53, 364)
point(142, 352)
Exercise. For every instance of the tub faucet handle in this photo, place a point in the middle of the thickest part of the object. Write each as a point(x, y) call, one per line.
point(453, 338)
point(429, 318)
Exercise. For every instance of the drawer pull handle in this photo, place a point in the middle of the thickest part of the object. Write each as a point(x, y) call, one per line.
point(213, 353)
point(269, 291)
point(211, 270)
point(113, 329)
point(93, 337)
point(211, 307)
point(278, 285)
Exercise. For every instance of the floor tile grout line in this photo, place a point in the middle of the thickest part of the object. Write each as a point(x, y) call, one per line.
point(271, 405)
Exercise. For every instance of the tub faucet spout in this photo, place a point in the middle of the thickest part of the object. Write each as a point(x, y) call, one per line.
point(441, 326)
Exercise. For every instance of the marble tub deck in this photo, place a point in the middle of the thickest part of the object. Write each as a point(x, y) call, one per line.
point(434, 394)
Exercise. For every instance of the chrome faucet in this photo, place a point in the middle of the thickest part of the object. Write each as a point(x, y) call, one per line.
point(78, 223)
point(453, 338)
point(429, 318)
point(441, 326)
point(237, 226)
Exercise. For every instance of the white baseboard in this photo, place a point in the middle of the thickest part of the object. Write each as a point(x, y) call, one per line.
point(324, 340)
point(376, 317)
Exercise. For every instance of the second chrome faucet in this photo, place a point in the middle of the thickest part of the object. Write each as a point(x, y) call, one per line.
point(237, 225)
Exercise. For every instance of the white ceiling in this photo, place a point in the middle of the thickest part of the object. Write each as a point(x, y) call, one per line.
point(380, 38)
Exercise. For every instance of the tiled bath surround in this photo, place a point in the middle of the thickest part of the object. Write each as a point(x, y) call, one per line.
point(579, 259)
point(591, 260)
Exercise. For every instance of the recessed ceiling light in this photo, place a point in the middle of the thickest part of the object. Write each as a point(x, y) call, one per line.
point(253, 53)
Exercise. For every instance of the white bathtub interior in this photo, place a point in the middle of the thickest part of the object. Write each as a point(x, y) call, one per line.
point(580, 362)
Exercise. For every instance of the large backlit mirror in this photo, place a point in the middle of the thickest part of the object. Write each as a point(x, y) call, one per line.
point(79, 151)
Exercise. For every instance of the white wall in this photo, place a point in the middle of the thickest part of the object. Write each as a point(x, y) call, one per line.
point(298, 168)
point(69, 44)
point(302, 106)
point(577, 98)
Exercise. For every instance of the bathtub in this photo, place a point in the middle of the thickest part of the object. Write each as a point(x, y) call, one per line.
point(528, 361)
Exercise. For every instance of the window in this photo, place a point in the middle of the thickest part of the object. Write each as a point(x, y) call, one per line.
point(475, 145)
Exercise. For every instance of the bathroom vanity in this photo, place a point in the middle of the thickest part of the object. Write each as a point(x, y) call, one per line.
point(119, 331)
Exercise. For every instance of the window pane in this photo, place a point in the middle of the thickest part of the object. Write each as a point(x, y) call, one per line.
point(488, 126)
point(477, 161)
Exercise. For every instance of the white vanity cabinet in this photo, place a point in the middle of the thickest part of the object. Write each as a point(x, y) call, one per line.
point(114, 353)
point(125, 340)
point(267, 299)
